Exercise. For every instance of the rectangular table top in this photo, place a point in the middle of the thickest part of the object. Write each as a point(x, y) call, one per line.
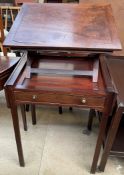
point(65, 27)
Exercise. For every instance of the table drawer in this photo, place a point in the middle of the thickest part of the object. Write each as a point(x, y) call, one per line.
point(50, 98)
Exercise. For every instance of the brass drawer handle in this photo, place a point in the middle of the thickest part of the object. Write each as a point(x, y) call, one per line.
point(34, 97)
point(83, 100)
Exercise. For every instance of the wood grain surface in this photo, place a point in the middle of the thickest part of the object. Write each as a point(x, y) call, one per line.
point(64, 26)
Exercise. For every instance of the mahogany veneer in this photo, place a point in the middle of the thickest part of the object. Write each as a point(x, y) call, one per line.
point(59, 90)
point(63, 30)
point(115, 66)
point(6, 67)
point(64, 27)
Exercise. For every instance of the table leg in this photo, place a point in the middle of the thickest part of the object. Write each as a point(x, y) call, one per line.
point(33, 113)
point(111, 136)
point(60, 109)
point(88, 129)
point(27, 107)
point(70, 108)
point(28, 67)
point(24, 116)
point(101, 135)
point(17, 134)
point(102, 128)
point(90, 121)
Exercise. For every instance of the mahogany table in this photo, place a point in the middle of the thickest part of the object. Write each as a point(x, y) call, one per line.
point(74, 29)
point(71, 31)
point(116, 69)
point(59, 90)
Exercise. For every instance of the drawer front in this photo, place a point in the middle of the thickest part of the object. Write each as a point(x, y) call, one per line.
point(47, 98)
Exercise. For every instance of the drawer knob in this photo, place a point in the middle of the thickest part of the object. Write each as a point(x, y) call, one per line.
point(34, 97)
point(83, 100)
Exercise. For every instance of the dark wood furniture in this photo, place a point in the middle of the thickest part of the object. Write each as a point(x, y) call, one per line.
point(71, 31)
point(116, 69)
point(117, 148)
point(83, 25)
point(77, 34)
point(58, 90)
point(118, 145)
point(7, 65)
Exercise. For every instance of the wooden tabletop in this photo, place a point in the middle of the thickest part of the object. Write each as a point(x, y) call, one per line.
point(64, 26)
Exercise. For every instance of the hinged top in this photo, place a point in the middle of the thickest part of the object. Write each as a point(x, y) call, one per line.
point(64, 26)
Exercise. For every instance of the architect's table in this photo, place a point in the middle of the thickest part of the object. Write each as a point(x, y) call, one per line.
point(70, 31)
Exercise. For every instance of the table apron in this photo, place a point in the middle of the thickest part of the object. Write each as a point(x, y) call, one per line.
point(95, 102)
